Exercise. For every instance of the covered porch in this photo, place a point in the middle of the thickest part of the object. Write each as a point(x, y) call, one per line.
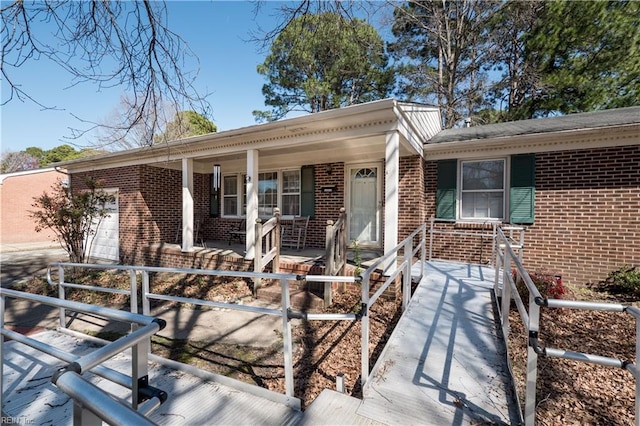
point(203, 188)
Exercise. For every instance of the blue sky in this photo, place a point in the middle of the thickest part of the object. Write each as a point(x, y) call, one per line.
point(215, 30)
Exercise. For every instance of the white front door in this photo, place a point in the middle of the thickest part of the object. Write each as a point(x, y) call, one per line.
point(105, 243)
point(365, 204)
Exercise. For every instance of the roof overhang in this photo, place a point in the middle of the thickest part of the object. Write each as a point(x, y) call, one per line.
point(354, 133)
point(601, 137)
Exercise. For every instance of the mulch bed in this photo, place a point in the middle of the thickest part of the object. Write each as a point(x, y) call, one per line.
point(572, 392)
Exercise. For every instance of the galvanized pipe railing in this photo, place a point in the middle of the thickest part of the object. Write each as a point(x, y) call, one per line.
point(406, 246)
point(285, 311)
point(89, 401)
point(507, 259)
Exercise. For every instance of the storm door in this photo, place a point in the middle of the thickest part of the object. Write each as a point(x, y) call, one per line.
point(365, 204)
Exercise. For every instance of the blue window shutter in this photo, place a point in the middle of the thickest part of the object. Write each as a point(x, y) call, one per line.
point(446, 189)
point(307, 191)
point(522, 190)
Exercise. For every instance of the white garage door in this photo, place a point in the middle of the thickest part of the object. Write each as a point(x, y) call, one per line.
point(105, 244)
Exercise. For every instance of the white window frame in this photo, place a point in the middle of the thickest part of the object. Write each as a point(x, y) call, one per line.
point(241, 197)
point(504, 190)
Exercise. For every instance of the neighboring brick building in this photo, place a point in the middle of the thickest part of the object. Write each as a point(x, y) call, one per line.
point(573, 182)
point(17, 193)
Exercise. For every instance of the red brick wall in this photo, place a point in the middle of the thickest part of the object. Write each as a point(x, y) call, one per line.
point(16, 200)
point(151, 206)
point(587, 220)
point(412, 203)
point(587, 212)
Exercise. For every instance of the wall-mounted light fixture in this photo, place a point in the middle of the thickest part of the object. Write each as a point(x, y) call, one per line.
point(328, 168)
point(216, 183)
point(216, 180)
point(247, 179)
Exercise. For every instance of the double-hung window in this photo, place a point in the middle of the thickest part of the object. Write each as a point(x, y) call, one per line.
point(488, 189)
point(482, 189)
point(275, 189)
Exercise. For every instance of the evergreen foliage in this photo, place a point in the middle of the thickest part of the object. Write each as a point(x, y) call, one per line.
point(324, 61)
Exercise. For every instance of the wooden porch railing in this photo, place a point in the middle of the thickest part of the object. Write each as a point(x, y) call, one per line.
point(335, 251)
point(267, 247)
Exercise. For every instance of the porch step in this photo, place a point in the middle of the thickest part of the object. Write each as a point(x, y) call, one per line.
point(300, 298)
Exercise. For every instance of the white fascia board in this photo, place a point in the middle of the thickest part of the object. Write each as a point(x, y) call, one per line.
point(4, 176)
point(541, 142)
point(352, 121)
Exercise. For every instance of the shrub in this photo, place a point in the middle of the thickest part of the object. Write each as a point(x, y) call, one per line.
point(625, 280)
point(548, 284)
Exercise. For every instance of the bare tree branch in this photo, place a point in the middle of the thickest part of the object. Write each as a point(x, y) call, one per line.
point(109, 44)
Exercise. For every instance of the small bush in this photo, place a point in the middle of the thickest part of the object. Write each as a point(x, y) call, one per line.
point(548, 284)
point(625, 280)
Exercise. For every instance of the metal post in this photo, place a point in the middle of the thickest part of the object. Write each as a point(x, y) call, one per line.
point(506, 295)
point(61, 295)
point(146, 307)
point(340, 382)
point(532, 365)
point(330, 259)
point(423, 251)
point(287, 340)
point(431, 238)
point(257, 260)
point(406, 279)
point(364, 367)
point(133, 295)
point(498, 263)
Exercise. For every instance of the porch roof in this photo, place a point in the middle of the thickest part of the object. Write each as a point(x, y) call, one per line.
point(352, 133)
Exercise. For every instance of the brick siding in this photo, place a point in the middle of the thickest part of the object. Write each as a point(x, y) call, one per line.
point(18, 192)
point(587, 220)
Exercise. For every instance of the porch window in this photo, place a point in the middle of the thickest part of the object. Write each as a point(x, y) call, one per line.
point(482, 189)
point(275, 189)
point(291, 192)
point(230, 198)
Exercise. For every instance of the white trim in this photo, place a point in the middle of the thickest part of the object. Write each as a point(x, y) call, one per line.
point(530, 144)
point(347, 184)
point(505, 189)
point(4, 176)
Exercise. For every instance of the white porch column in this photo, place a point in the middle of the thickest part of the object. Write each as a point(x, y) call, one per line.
point(252, 201)
point(187, 204)
point(391, 188)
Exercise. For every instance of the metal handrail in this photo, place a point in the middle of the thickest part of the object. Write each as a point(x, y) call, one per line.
point(68, 378)
point(285, 310)
point(408, 247)
point(508, 261)
point(405, 268)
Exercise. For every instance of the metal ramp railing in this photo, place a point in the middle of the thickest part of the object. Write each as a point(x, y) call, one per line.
point(512, 270)
point(93, 405)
